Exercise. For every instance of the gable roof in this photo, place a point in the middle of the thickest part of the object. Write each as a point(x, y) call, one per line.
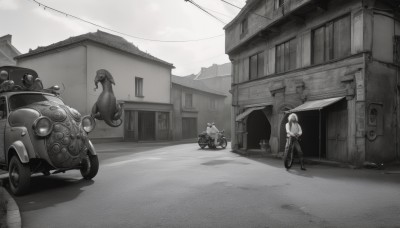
point(215, 71)
point(7, 51)
point(99, 37)
point(194, 84)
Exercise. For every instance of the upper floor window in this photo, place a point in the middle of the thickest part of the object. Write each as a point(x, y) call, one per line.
point(213, 103)
point(332, 40)
point(256, 66)
point(279, 3)
point(243, 26)
point(188, 100)
point(286, 55)
point(138, 87)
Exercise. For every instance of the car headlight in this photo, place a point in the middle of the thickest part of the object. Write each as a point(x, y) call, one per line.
point(43, 126)
point(88, 124)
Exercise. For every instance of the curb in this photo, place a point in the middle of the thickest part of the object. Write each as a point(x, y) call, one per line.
point(13, 216)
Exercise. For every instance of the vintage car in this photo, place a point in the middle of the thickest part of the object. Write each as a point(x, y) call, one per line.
point(39, 133)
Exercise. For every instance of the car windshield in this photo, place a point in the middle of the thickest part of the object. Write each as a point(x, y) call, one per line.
point(20, 100)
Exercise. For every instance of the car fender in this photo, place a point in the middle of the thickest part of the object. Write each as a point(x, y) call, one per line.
point(20, 150)
point(90, 147)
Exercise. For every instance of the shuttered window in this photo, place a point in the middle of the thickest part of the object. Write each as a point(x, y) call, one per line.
point(286, 56)
point(332, 40)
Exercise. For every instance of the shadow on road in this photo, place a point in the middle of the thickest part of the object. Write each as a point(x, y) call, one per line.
point(62, 190)
point(331, 172)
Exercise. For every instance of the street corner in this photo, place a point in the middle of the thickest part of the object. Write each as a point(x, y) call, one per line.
point(9, 211)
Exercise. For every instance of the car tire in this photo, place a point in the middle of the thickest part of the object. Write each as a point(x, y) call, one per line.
point(19, 176)
point(89, 166)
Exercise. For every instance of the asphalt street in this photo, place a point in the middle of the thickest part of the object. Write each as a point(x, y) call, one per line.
point(162, 185)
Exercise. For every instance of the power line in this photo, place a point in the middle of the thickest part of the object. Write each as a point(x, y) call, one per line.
point(242, 8)
point(121, 33)
point(201, 8)
point(232, 4)
point(230, 17)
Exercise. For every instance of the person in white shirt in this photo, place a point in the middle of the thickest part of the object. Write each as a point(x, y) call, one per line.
point(214, 133)
point(208, 129)
point(293, 132)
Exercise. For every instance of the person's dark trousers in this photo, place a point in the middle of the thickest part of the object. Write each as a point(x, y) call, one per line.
point(295, 143)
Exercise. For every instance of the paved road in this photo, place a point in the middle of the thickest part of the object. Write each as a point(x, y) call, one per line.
point(182, 186)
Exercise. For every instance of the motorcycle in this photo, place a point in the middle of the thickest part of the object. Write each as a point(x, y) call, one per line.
point(205, 140)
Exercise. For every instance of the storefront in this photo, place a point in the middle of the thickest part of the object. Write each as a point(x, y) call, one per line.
point(147, 121)
point(325, 126)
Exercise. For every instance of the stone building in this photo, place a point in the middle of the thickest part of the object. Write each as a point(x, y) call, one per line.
point(7, 51)
point(195, 105)
point(142, 82)
point(219, 78)
point(333, 62)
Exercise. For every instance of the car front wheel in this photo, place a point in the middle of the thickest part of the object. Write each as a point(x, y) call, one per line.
point(89, 166)
point(19, 176)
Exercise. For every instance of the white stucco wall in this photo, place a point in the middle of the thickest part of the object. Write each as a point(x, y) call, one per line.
point(68, 68)
point(76, 67)
point(124, 68)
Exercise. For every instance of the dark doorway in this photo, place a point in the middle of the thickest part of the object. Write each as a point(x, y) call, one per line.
point(258, 128)
point(147, 125)
point(310, 141)
point(189, 128)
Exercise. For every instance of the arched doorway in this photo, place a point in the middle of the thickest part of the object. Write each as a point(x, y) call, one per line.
point(258, 128)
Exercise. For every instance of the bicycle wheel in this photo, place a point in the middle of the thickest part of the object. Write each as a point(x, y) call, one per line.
point(288, 159)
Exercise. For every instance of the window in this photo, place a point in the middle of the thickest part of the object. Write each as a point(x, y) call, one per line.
point(279, 3)
point(256, 66)
point(286, 55)
point(163, 121)
point(138, 87)
point(188, 100)
point(213, 103)
point(243, 26)
point(396, 50)
point(20, 100)
point(3, 108)
point(332, 40)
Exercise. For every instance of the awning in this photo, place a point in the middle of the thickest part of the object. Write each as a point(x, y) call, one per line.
point(315, 105)
point(247, 112)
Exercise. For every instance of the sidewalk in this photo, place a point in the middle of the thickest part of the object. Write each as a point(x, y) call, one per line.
point(11, 217)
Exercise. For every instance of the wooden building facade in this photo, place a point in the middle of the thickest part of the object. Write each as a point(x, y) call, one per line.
point(334, 63)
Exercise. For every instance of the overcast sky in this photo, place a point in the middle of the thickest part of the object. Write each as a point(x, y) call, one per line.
point(32, 26)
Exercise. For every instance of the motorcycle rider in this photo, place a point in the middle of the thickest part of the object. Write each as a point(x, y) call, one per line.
point(293, 132)
point(214, 133)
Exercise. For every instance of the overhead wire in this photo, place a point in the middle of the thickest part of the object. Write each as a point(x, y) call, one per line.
point(229, 3)
point(204, 10)
point(121, 33)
